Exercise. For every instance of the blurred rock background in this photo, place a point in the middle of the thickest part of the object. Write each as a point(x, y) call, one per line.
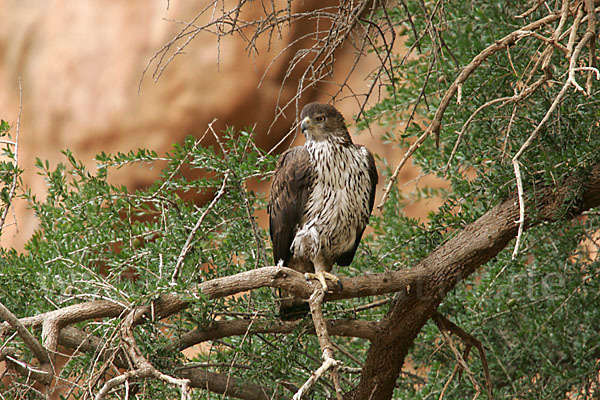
point(81, 62)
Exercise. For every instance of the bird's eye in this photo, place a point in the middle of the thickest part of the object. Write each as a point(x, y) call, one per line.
point(320, 118)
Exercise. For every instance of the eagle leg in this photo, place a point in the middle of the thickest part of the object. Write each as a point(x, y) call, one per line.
point(322, 277)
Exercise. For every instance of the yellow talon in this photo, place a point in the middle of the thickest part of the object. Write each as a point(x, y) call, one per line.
point(321, 276)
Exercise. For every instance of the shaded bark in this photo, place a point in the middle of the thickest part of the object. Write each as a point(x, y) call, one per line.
point(228, 385)
point(220, 329)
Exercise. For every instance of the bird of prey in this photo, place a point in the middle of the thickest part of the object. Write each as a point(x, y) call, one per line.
point(321, 198)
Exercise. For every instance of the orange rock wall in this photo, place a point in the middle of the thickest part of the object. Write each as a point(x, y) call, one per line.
point(80, 64)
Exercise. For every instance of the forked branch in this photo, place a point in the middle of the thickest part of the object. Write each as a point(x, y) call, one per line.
point(445, 326)
point(329, 361)
point(47, 370)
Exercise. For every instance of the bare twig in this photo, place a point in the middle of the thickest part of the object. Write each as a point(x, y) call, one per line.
point(557, 100)
point(392, 180)
point(119, 380)
point(466, 125)
point(509, 39)
point(15, 144)
point(22, 368)
point(530, 11)
point(188, 243)
point(526, 92)
point(521, 197)
point(321, 55)
point(262, 254)
point(184, 159)
point(574, 29)
point(314, 377)
point(305, 66)
point(591, 12)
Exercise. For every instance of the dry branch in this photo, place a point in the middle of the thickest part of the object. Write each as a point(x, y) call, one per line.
point(524, 93)
point(15, 144)
point(589, 8)
point(444, 324)
point(188, 243)
point(47, 371)
point(74, 338)
point(22, 368)
point(508, 40)
point(328, 364)
point(329, 361)
point(309, 55)
point(461, 364)
point(143, 368)
point(571, 81)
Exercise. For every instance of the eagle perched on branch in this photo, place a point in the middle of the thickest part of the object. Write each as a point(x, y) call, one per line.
point(321, 198)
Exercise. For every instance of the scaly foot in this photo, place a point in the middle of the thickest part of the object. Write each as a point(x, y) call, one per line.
point(321, 276)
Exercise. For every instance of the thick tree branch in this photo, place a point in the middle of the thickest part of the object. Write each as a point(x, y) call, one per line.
point(227, 385)
point(77, 313)
point(295, 283)
point(452, 262)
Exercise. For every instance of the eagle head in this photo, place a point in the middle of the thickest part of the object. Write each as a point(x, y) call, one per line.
point(322, 122)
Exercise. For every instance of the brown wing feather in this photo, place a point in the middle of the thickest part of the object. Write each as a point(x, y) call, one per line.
point(346, 258)
point(289, 192)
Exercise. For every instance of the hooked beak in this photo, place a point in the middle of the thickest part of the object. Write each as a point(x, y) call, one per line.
point(305, 124)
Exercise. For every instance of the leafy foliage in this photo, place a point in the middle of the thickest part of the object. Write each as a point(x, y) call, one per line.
point(9, 171)
point(98, 241)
